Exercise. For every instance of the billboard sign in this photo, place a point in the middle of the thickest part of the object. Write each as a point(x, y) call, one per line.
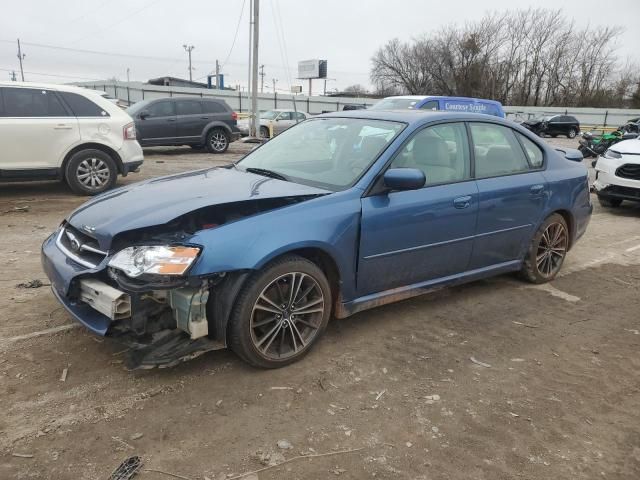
point(312, 69)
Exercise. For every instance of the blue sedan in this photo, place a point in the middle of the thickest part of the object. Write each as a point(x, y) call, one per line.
point(339, 214)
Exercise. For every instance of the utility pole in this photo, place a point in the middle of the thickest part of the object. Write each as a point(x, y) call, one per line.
point(21, 57)
point(274, 80)
point(262, 74)
point(188, 48)
point(255, 114)
point(128, 71)
point(249, 64)
point(217, 75)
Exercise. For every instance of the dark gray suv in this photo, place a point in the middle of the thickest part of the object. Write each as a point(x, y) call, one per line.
point(198, 122)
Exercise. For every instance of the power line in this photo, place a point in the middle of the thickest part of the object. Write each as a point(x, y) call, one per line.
point(235, 36)
point(283, 66)
point(54, 75)
point(88, 12)
point(93, 34)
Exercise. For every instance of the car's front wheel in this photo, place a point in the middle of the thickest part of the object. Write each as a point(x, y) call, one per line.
point(547, 250)
point(609, 202)
point(90, 172)
point(280, 313)
point(217, 141)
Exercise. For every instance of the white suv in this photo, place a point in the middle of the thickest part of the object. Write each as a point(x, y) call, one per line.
point(66, 133)
point(618, 174)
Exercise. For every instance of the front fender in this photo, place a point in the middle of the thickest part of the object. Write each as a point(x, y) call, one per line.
point(330, 223)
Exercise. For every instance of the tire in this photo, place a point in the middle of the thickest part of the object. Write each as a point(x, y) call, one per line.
point(264, 132)
point(547, 251)
point(90, 172)
point(266, 335)
point(217, 140)
point(609, 202)
point(572, 133)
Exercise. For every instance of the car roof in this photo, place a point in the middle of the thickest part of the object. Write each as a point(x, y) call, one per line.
point(415, 116)
point(424, 97)
point(51, 86)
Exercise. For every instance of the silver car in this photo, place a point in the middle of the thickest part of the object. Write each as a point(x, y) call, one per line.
point(279, 119)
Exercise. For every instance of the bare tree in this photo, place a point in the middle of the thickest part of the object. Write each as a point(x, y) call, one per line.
point(524, 57)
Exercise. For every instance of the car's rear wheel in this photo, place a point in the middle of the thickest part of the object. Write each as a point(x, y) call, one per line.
point(217, 141)
point(90, 172)
point(547, 250)
point(572, 133)
point(609, 202)
point(280, 313)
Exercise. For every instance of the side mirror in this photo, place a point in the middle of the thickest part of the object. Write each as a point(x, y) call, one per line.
point(571, 154)
point(144, 114)
point(404, 179)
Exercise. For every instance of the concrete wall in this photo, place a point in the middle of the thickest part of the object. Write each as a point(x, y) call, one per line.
point(240, 102)
point(133, 92)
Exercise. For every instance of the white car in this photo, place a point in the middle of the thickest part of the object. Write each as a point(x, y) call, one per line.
point(618, 174)
point(65, 133)
point(278, 120)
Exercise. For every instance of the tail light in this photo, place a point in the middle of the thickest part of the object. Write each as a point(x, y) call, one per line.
point(129, 131)
point(234, 116)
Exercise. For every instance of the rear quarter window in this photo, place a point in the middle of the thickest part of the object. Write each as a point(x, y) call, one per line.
point(81, 106)
point(213, 107)
point(534, 152)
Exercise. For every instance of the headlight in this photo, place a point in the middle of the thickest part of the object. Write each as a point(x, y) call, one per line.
point(612, 154)
point(159, 260)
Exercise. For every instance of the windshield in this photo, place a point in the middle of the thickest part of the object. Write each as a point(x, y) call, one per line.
point(269, 115)
point(396, 104)
point(329, 153)
point(136, 107)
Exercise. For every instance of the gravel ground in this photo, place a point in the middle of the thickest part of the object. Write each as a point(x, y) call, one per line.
point(554, 392)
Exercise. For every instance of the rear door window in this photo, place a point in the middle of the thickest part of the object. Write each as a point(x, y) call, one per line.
point(32, 102)
point(82, 106)
point(188, 107)
point(301, 116)
point(497, 151)
point(284, 116)
point(161, 109)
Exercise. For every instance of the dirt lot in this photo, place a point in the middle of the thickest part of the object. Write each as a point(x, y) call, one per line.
point(557, 398)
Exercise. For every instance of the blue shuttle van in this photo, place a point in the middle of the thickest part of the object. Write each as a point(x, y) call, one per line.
point(430, 102)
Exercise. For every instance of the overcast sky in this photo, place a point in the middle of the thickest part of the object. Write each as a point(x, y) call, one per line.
point(344, 32)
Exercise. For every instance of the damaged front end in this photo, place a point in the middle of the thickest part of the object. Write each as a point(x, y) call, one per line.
point(139, 291)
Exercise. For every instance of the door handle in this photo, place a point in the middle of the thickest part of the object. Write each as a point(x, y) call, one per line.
point(204, 118)
point(62, 126)
point(536, 189)
point(171, 119)
point(462, 202)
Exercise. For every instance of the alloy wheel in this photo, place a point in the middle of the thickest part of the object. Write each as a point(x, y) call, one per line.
point(551, 249)
point(218, 141)
point(287, 316)
point(93, 173)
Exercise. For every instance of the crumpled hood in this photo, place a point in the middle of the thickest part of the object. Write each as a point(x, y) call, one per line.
point(160, 200)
